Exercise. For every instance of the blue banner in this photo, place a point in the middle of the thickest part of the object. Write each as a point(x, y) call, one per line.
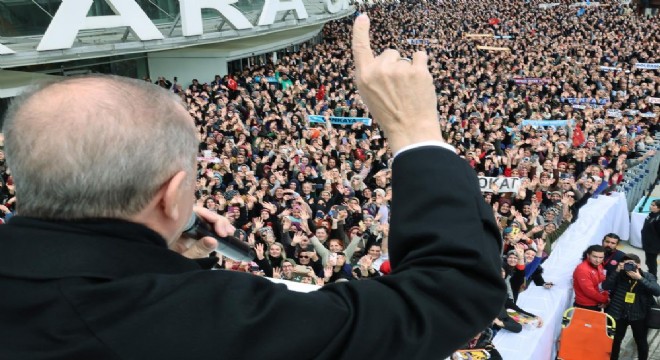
point(553, 123)
point(336, 120)
point(572, 100)
point(271, 79)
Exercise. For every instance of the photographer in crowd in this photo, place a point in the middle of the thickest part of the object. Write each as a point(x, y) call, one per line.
point(632, 293)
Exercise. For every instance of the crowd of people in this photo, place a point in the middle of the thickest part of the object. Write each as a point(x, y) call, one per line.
point(549, 95)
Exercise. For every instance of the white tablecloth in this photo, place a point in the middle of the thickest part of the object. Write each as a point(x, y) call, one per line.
point(597, 218)
point(637, 221)
point(636, 224)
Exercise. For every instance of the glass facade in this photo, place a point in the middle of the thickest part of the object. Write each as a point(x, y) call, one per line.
point(28, 18)
point(134, 65)
point(23, 22)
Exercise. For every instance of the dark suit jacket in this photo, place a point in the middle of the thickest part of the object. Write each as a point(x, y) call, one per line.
point(109, 289)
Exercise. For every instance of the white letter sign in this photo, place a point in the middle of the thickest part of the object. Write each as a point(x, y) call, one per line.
point(191, 15)
point(334, 7)
point(71, 17)
point(5, 50)
point(272, 7)
point(504, 184)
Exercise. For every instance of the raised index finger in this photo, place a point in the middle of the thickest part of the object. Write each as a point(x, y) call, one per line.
point(361, 48)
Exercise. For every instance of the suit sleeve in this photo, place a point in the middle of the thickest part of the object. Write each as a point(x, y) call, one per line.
point(445, 287)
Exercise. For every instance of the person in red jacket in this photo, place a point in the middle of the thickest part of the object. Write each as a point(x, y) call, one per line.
point(587, 279)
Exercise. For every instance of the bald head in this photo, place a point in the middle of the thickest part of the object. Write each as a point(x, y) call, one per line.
point(96, 146)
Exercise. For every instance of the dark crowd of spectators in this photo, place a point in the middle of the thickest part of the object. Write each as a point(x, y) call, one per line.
point(314, 198)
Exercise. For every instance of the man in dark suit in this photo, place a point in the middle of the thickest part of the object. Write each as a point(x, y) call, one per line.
point(104, 191)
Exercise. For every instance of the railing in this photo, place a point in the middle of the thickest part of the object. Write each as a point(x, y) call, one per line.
point(641, 177)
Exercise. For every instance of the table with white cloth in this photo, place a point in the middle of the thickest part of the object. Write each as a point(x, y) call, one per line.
point(637, 221)
point(598, 217)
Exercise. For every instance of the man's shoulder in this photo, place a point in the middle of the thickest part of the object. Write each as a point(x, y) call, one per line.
point(103, 249)
point(582, 267)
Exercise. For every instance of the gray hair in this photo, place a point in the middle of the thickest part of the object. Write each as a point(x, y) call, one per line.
point(101, 149)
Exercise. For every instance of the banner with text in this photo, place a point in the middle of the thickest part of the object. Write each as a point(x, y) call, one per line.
point(477, 35)
point(336, 120)
point(553, 123)
point(585, 106)
point(613, 113)
point(548, 6)
point(610, 68)
point(572, 100)
point(584, 3)
point(653, 100)
point(648, 66)
point(418, 41)
point(504, 184)
point(531, 80)
point(493, 48)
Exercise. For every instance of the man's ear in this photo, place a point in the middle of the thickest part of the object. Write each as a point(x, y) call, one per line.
point(172, 195)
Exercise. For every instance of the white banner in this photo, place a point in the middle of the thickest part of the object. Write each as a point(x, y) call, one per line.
point(610, 68)
point(648, 66)
point(648, 115)
point(584, 3)
point(548, 6)
point(214, 160)
point(494, 48)
point(614, 113)
point(653, 100)
point(504, 184)
point(418, 41)
point(478, 35)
